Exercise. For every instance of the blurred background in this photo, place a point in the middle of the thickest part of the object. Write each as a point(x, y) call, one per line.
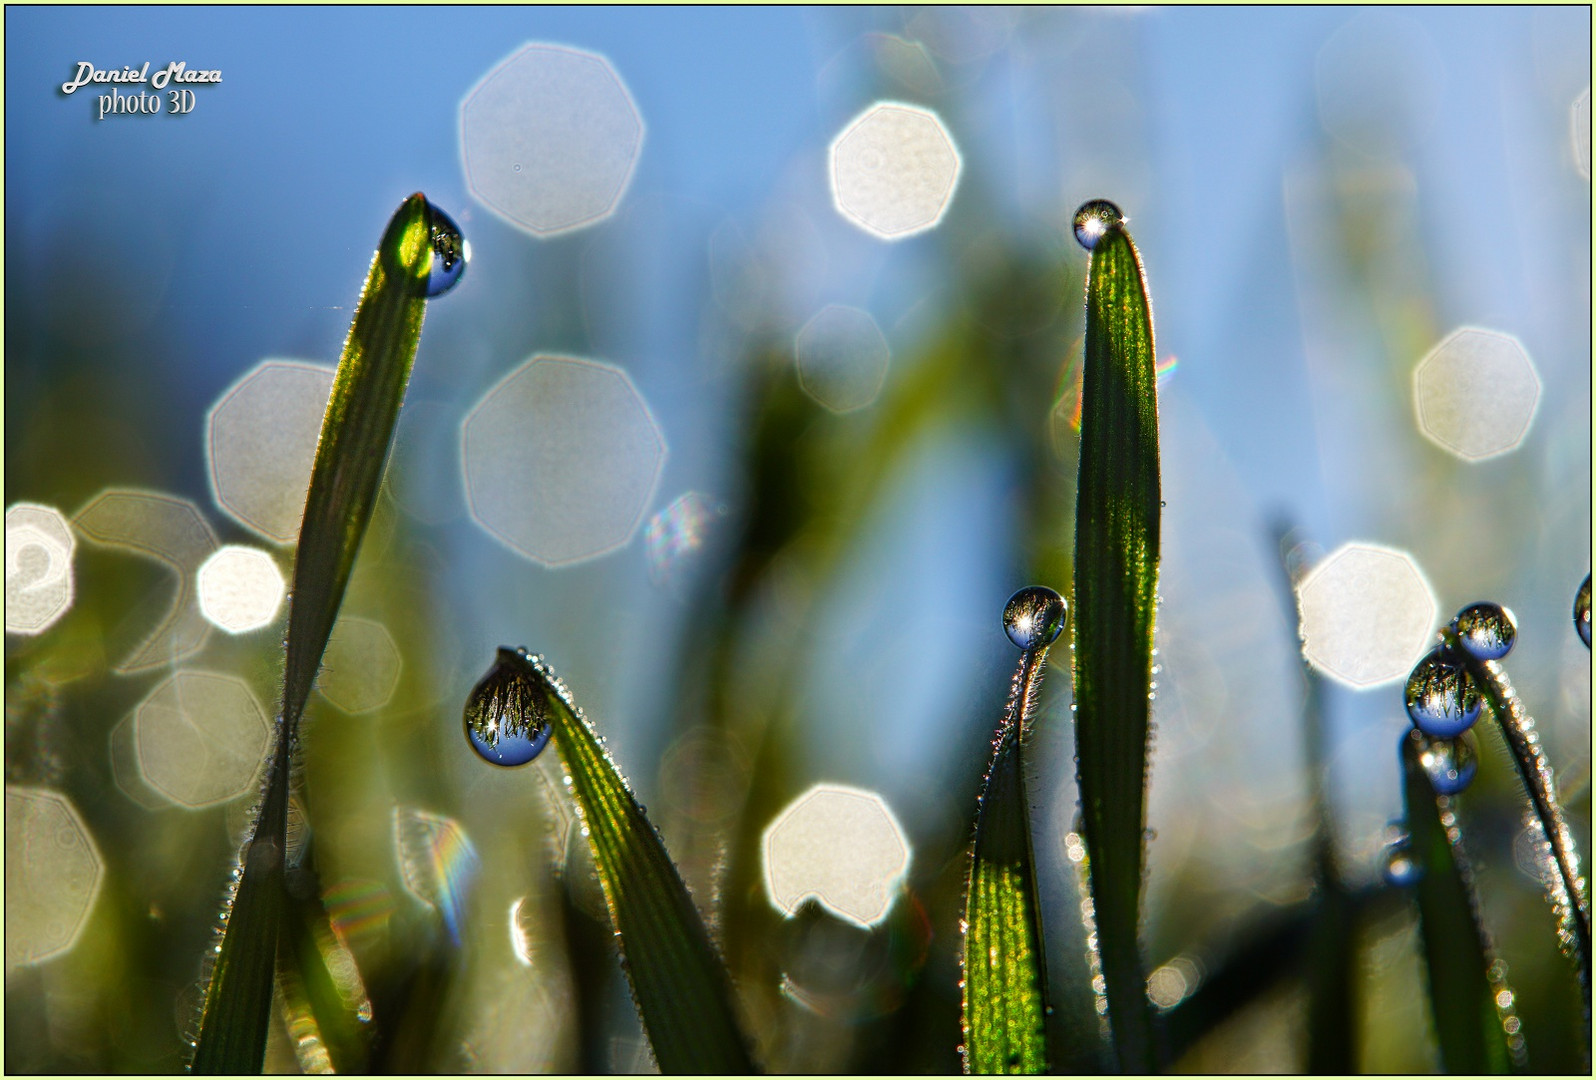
point(753, 407)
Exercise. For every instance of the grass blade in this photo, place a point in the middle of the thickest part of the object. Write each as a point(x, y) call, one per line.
point(679, 983)
point(1005, 973)
point(355, 437)
point(1116, 578)
point(1462, 999)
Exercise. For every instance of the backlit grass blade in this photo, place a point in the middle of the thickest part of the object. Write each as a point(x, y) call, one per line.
point(356, 433)
point(1116, 578)
point(1005, 973)
point(679, 983)
point(1462, 999)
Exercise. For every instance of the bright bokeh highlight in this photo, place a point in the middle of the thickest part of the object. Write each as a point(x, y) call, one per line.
point(1367, 613)
point(39, 549)
point(840, 845)
point(842, 358)
point(438, 862)
point(260, 442)
point(53, 875)
point(200, 738)
point(240, 588)
point(1476, 393)
point(550, 138)
point(893, 170)
point(360, 669)
point(561, 459)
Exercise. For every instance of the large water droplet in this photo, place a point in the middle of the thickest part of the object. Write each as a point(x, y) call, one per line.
point(507, 713)
point(450, 253)
point(1093, 219)
point(1486, 630)
point(1449, 763)
point(1034, 616)
point(1400, 869)
point(1442, 700)
point(1582, 612)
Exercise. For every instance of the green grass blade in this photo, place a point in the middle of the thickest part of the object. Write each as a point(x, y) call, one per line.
point(355, 437)
point(1462, 999)
point(1116, 577)
point(1005, 973)
point(679, 983)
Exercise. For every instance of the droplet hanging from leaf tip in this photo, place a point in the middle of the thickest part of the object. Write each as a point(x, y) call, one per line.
point(1450, 764)
point(1093, 219)
point(1486, 630)
point(450, 252)
point(1442, 700)
point(1582, 611)
point(1034, 616)
point(507, 712)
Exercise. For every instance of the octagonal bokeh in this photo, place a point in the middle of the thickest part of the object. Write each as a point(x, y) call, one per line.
point(39, 549)
point(549, 139)
point(841, 845)
point(1476, 393)
point(893, 170)
point(200, 738)
point(561, 459)
point(53, 875)
point(1367, 615)
point(842, 358)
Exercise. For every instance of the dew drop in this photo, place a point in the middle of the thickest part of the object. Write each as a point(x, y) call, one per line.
point(1582, 611)
point(1400, 869)
point(450, 253)
point(1486, 630)
point(1442, 700)
point(1449, 763)
point(507, 713)
point(1093, 219)
point(1034, 616)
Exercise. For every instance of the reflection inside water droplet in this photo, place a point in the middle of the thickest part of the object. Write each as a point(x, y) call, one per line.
point(1449, 763)
point(1093, 219)
point(450, 253)
point(1034, 616)
point(1442, 700)
point(1400, 869)
point(507, 713)
point(1582, 612)
point(1486, 630)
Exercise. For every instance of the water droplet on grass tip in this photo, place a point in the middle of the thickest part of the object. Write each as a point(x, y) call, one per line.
point(1582, 612)
point(450, 253)
point(1449, 763)
point(1486, 630)
point(1442, 700)
point(1034, 616)
point(1093, 219)
point(507, 713)
point(1400, 869)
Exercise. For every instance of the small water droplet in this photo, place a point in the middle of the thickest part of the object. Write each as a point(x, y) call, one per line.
point(1093, 219)
point(1449, 763)
point(1486, 630)
point(1400, 869)
point(1034, 616)
point(1442, 700)
point(450, 253)
point(507, 713)
point(1582, 611)
point(516, 166)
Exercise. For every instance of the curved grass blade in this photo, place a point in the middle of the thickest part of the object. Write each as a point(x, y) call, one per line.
point(1565, 885)
point(1116, 578)
point(1462, 998)
point(1005, 973)
point(679, 983)
point(356, 434)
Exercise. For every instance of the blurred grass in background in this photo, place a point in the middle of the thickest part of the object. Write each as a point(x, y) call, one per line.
point(842, 621)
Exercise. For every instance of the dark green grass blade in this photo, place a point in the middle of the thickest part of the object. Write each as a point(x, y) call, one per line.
point(681, 988)
point(1005, 984)
point(1461, 995)
point(355, 436)
point(1005, 971)
point(1116, 577)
